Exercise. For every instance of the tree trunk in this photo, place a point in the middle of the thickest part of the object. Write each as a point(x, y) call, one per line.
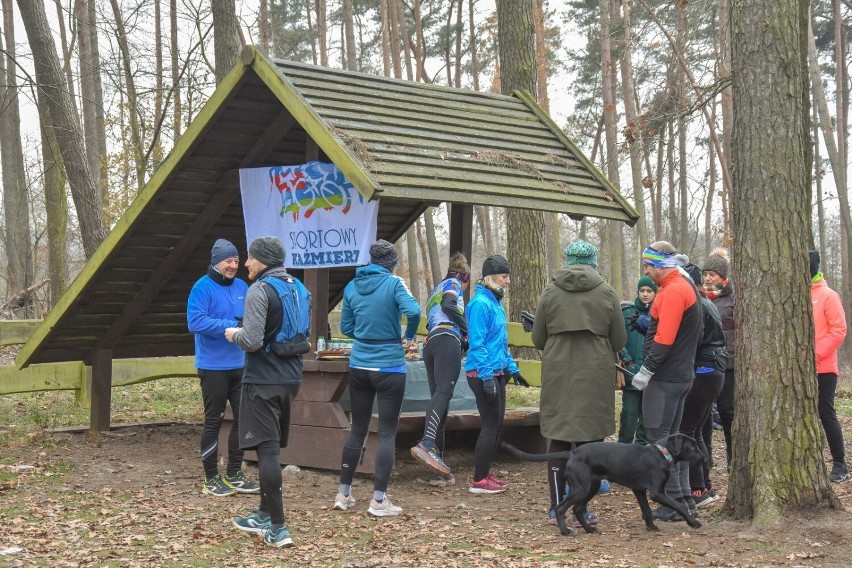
point(136, 144)
point(727, 107)
point(55, 204)
point(175, 45)
point(156, 143)
point(711, 192)
point(432, 245)
point(386, 38)
point(88, 70)
point(474, 59)
point(322, 32)
point(818, 173)
point(393, 47)
point(448, 62)
point(525, 242)
point(841, 101)
point(349, 32)
point(459, 32)
point(264, 27)
point(66, 54)
point(634, 136)
point(18, 247)
point(428, 272)
point(226, 45)
point(778, 464)
point(419, 43)
point(84, 191)
point(413, 268)
point(614, 228)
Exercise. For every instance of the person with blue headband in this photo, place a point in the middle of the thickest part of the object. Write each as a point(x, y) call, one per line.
point(669, 367)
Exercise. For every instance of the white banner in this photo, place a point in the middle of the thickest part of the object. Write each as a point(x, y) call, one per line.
point(319, 215)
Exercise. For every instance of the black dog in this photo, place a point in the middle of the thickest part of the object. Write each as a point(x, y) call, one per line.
point(641, 468)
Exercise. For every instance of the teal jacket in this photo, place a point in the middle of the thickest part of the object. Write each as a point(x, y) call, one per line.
point(634, 351)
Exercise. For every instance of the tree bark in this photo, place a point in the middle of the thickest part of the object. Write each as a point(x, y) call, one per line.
point(322, 32)
point(264, 27)
point(157, 154)
point(178, 107)
point(432, 245)
point(428, 272)
point(474, 59)
point(84, 191)
point(226, 44)
point(349, 32)
point(55, 204)
point(778, 464)
point(413, 267)
point(525, 242)
point(614, 228)
point(16, 201)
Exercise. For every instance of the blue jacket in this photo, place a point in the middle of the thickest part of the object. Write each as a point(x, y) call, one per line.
point(211, 308)
point(373, 304)
point(488, 336)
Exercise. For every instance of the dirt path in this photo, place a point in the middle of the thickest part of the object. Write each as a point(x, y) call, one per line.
point(133, 499)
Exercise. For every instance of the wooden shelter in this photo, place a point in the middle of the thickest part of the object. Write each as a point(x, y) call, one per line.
point(411, 145)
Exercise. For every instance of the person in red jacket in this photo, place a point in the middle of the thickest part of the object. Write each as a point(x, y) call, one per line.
point(829, 333)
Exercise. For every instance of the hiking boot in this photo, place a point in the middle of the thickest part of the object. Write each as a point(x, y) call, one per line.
point(278, 537)
point(343, 502)
point(591, 518)
point(384, 509)
point(704, 498)
point(667, 514)
point(429, 457)
point(441, 481)
point(486, 485)
point(240, 483)
point(498, 481)
point(839, 473)
point(255, 522)
point(217, 487)
point(605, 486)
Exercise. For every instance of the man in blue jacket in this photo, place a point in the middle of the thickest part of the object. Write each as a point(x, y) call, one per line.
point(217, 302)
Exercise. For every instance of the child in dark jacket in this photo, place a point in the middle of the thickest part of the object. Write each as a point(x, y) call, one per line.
point(636, 319)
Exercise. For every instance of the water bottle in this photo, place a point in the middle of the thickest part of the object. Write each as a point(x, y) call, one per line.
point(321, 343)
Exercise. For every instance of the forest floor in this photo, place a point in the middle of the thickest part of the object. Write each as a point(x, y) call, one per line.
point(132, 498)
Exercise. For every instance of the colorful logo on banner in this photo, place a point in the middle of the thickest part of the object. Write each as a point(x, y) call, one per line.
point(321, 218)
point(304, 189)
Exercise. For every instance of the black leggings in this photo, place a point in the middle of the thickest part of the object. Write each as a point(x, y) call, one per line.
point(364, 388)
point(217, 388)
point(827, 384)
point(696, 412)
point(269, 472)
point(442, 356)
point(491, 422)
point(725, 405)
point(556, 469)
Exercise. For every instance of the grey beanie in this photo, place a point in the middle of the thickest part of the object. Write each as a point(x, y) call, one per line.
point(268, 250)
point(718, 262)
point(221, 250)
point(383, 253)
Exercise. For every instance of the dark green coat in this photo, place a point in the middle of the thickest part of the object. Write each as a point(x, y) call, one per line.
point(578, 327)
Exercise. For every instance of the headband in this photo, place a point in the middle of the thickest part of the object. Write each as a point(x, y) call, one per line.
point(463, 277)
point(658, 259)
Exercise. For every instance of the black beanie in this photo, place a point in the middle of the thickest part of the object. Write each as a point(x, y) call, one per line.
point(383, 253)
point(813, 256)
point(495, 264)
point(268, 250)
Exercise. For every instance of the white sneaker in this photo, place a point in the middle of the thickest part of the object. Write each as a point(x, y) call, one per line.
point(343, 502)
point(384, 509)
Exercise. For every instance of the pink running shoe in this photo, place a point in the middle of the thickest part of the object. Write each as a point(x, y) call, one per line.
point(486, 486)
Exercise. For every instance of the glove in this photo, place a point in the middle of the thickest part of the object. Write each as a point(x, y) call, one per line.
point(519, 380)
point(641, 379)
point(642, 322)
point(490, 388)
point(464, 345)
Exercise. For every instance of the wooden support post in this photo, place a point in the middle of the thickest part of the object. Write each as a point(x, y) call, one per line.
point(461, 233)
point(101, 391)
point(316, 280)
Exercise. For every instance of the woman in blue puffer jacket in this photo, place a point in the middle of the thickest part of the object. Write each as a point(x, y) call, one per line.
point(488, 367)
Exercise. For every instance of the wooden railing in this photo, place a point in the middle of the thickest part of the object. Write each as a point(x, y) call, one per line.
point(76, 376)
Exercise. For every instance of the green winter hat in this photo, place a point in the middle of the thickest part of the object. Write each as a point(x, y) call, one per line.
point(581, 252)
point(645, 280)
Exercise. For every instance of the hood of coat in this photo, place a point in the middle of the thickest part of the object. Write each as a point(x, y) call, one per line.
point(578, 278)
point(369, 277)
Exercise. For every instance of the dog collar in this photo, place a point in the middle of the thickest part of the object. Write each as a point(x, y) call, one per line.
point(666, 453)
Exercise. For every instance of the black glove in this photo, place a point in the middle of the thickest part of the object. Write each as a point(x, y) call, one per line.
point(490, 388)
point(464, 345)
point(527, 320)
point(519, 380)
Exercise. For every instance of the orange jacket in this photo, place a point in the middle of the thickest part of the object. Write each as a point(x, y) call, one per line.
point(829, 326)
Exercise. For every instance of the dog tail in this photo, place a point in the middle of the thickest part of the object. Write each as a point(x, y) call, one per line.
point(534, 457)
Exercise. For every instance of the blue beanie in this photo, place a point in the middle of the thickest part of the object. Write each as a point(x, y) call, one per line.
point(221, 250)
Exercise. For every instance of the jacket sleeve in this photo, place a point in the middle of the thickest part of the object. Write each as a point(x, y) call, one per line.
point(409, 307)
point(250, 336)
point(198, 317)
point(449, 305)
point(347, 318)
point(478, 321)
point(836, 320)
point(617, 329)
point(539, 330)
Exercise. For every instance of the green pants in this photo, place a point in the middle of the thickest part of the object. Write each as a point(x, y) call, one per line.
point(631, 428)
